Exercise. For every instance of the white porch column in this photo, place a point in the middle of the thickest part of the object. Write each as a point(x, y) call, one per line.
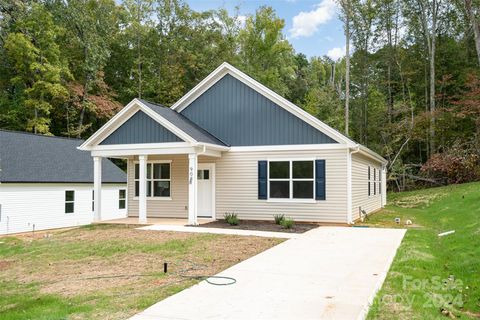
point(97, 189)
point(192, 188)
point(142, 197)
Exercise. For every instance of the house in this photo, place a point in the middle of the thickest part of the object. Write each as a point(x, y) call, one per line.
point(233, 145)
point(46, 182)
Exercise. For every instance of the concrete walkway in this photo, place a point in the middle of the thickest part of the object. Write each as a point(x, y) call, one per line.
point(325, 273)
point(238, 232)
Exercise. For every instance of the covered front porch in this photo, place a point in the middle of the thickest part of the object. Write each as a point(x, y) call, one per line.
point(171, 183)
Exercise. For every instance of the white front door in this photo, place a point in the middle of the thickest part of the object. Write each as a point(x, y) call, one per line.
point(206, 189)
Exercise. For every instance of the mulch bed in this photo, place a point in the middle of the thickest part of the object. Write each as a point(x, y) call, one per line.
point(299, 227)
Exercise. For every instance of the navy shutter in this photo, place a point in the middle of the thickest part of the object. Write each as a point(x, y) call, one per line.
point(320, 180)
point(262, 179)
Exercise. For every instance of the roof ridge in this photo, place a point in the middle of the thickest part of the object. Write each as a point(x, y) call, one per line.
point(40, 135)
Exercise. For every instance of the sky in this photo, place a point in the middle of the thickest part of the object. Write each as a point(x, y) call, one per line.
point(311, 26)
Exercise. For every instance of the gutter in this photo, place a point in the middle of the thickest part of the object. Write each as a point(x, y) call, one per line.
point(350, 151)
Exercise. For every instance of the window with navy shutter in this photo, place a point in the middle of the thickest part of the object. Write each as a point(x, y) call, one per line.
point(262, 179)
point(320, 190)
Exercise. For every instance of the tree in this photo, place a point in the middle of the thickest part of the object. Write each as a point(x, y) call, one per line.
point(472, 12)
point(346, 10)
point(39, 72)
point(264, 52)
point(89, 24)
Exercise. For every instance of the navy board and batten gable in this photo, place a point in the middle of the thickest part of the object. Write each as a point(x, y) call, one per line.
point(141, 128)
point(240, 116)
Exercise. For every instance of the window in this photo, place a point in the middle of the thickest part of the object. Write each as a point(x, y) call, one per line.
point(121, 198)
point(69, 201)
point(380, 181)
point(369, 181)
point(203, 174)
point(158, 180)
point(291, 179)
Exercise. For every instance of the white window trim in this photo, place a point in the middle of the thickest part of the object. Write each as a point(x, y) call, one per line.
point(125, 198)
point(290, 179)
point(152, 197)
point(374, 181)
point(70, 201)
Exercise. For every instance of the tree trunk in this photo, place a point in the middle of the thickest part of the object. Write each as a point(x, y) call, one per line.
point(433, 37)
point(347, 67)
point(139, 51)
point(475, 26)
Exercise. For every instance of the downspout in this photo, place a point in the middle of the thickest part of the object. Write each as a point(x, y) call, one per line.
point(350, 151)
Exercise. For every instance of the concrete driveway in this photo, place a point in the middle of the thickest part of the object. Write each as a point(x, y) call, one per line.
point(326, 273)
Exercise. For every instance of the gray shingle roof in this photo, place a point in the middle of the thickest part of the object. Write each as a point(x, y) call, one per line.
point(181, 122)
point(26, 157)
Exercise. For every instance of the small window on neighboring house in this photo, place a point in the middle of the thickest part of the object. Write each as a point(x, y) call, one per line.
point(122, 195)
point(69, 201)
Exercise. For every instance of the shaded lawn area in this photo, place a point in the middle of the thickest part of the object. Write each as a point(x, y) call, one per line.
point(433, 277)
point(108, 271)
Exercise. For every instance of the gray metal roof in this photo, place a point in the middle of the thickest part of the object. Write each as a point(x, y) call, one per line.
point(27, 157)
point(184, 124)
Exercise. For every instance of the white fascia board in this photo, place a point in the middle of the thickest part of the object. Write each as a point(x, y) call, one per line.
point(125, 114)
point(289, 147)
point(212, 146)
point(371, 154)
point(135, 146)
point(225, 68)
point(146, 151)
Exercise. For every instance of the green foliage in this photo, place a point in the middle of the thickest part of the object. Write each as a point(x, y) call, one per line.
point(287, 223)
point(67, 66)
point(279, 218)
point(231, 218)
point(423, 256)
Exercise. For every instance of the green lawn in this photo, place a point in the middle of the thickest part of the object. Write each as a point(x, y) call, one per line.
point(108, 271)
point(433, 277)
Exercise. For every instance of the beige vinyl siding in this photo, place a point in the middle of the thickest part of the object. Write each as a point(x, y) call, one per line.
point(237, 187)
point(177, 207)
point(360, 197)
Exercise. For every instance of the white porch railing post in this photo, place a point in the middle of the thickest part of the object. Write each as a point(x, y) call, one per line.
point(97, 189)
point(192, 188)
point(142, 197)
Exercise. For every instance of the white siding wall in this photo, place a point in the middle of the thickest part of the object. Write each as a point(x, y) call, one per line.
point(360, 196)
point(43, 205)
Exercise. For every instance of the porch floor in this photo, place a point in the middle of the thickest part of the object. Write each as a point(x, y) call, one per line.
point(155, 221)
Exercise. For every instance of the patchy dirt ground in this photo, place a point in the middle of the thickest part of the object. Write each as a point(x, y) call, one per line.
point(299, 227)
point(115, 263)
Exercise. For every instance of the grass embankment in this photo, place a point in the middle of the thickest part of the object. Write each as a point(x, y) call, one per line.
point(108, 271)
point(433, 277)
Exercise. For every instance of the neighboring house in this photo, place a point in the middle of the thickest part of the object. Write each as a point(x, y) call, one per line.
point(46, 182)
point(233, 145)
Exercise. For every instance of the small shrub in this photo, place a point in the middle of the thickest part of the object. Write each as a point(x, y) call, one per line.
point(279, 218)
point(287, 223)
point(231, 218)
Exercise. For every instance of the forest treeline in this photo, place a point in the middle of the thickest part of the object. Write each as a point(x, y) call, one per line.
point(410, 81)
